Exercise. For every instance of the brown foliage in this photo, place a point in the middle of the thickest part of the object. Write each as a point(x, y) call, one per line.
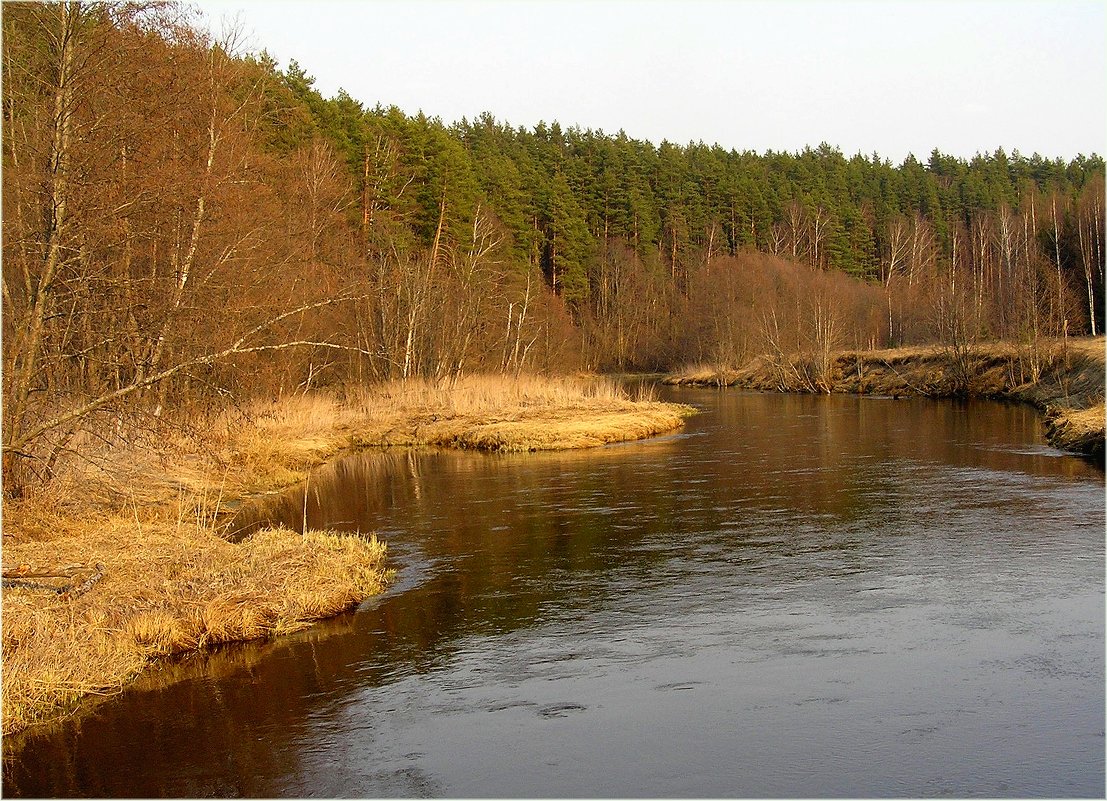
point(145, 226)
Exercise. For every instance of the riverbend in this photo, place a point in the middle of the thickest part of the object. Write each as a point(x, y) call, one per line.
point(122, 558)
point(794, 595)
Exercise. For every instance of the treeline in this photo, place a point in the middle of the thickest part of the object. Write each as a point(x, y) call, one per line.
point(997, 246)
point(183, 222)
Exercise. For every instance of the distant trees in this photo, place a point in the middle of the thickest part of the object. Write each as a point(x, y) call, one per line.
point(679, 208)
point(173, 208)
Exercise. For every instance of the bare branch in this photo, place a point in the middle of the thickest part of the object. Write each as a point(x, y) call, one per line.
point(20, 441)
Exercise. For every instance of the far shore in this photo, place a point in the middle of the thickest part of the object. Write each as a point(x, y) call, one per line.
point(121, 561)
point(1063, 378)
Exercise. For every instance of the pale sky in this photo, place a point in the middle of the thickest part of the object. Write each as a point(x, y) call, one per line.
point(891, 76)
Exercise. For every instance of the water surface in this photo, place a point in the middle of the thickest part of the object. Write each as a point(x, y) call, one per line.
point(793, 596)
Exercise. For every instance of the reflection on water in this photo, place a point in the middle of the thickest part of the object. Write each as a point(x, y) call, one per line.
point(793, 596)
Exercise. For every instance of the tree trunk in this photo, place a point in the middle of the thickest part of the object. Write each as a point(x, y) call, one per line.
point(28, 347)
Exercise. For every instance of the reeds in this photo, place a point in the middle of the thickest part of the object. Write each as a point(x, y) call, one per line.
point(267, 445)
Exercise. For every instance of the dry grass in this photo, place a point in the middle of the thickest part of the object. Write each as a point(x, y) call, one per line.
point(166, 589)
point(264, 446)
point(1080, 430)
point(146, 507)
point(1085, 421)
point(552, 433)
point(528, 414)
point(703, 375)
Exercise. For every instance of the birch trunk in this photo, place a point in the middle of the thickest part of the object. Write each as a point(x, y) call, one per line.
point(28, 346)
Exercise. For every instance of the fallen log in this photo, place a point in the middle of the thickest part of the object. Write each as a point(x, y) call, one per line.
point(24, 577)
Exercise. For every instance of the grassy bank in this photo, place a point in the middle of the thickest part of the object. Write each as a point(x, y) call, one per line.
point(129, 532)
point(1078, 430)
point(1063, 378)
point(264, 446)
point(165, 590)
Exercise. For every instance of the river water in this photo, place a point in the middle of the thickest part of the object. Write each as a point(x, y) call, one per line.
point(792, 596)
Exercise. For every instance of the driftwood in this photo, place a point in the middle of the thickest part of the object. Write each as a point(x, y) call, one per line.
point(81, 578)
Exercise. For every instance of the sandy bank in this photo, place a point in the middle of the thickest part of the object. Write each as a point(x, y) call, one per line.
point(120, 562)
point(1063, 378)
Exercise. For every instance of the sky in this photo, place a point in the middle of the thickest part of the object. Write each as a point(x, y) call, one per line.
point(886, 76)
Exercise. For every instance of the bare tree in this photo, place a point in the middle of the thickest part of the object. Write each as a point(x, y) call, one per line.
point(819, 222)
point(796, 227)
point(1089, 228)
point(63, 26)
point(142, 229)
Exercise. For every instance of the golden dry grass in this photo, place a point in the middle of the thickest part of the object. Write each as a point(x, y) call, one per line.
point(537, 434)
point(264, 446)
point(703, 375)
point(166, 589)
point(148, 510)
point(1084, 421)
point(1081, 349)
point(1080, 430)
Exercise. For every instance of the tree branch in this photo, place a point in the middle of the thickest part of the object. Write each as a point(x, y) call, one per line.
point(17, 446)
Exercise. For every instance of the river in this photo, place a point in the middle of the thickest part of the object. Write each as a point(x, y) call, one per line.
point(792, 596)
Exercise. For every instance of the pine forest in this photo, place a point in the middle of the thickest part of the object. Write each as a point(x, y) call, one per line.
point(186, 224)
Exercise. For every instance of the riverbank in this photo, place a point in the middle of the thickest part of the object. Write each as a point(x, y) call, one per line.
point(1062, 378)
point(120, 561)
